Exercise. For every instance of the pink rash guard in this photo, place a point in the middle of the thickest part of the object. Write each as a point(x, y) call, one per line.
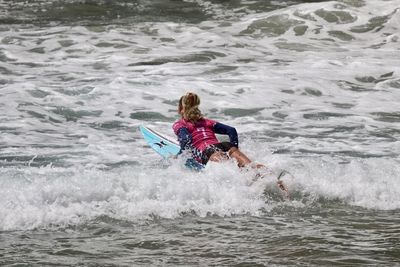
point(202, 132)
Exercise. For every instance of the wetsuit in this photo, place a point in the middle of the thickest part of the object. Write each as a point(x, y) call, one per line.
point(199, 138)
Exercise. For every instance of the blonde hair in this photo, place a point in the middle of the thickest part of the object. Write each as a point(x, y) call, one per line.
point(189, 103)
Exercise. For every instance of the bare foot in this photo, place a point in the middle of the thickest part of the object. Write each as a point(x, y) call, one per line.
point(283, 187)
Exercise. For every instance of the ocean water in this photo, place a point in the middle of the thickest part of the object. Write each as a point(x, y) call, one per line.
point(313, 87)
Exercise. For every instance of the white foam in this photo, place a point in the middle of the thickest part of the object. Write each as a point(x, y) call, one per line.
point(33, 197)
point(45, 197)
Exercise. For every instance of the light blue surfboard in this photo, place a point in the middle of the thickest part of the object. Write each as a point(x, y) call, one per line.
point(166, 147)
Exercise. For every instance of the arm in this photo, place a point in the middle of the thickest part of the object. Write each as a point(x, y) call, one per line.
point(185, 142)
point(220, 128)
point(185, 139)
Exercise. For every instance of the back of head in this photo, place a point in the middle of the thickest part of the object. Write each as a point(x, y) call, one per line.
point(189, 103)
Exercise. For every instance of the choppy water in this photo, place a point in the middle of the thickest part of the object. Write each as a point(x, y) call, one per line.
point(312, 87)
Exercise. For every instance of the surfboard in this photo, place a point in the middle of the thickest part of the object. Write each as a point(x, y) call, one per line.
point(166, 147)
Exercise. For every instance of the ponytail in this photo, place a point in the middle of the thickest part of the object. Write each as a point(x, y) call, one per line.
point(190, 105)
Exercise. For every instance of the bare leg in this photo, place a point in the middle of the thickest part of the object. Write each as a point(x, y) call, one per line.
point(218, 156)
point(243, 160)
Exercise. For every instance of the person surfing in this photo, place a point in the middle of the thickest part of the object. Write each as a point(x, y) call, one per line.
point(196, 134)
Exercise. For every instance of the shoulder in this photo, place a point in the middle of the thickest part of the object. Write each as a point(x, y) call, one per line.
point(209, 122)
point(181, 123)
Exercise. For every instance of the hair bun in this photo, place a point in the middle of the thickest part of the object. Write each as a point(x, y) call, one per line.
point(191, 102)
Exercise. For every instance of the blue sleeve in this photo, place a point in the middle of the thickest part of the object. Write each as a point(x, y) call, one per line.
point(185, 139)
point(220, 128)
